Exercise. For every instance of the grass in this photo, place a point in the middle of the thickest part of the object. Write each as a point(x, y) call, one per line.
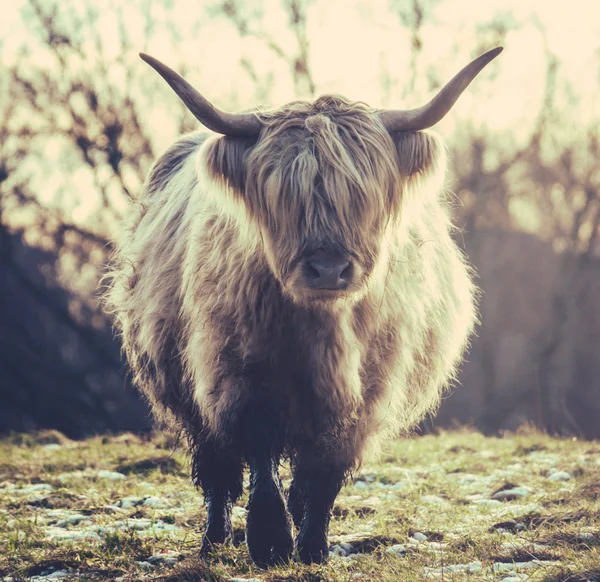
point(123, 508)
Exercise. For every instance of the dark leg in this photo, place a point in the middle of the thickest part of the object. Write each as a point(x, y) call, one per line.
point(219, 473)
point(261, 436)
point(314, 490)
point(268, 528)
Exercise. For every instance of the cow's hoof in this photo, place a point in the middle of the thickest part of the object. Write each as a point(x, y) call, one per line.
point(312, 549)
point(216, 534)
point(268, 527)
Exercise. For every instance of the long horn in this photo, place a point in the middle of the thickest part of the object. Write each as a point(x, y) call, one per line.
point(235, 125)
point(438, 107)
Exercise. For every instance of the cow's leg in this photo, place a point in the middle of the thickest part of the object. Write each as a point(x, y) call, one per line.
point(268, 528)
point(312, 494)
point(219, 473)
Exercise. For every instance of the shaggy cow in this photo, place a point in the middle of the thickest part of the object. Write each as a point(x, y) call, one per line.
point(288, 287)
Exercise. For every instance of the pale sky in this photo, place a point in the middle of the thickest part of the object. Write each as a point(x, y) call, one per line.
point(352, 42)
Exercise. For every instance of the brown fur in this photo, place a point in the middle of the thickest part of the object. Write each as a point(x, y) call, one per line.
point(207, 294)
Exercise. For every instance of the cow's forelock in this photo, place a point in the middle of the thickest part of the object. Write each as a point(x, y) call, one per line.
point(323, 176)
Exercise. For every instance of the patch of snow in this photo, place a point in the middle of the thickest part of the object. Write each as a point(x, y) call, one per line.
point(503, 567)
point(586, 537)
point(536, 564)
point(499, 567)
point(169, 558)
point(396, 549)
point(512, 546)
point(522, 508)
point(475, 567)
point(56, 575)
point(64, 477)
point(37, 488)
point(52, 447)
point(559, 476)
point(468, 479)
point(453, 568)
point(74, 520)
point(110, 475)
point(129, 502)
point(508, 494)
point(337, 550)
point(152, 501)
point(134, 523)
point(142, 525)
point(58, 534)
point(420, 537)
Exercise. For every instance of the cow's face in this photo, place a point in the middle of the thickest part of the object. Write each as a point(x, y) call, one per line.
point(324, 186)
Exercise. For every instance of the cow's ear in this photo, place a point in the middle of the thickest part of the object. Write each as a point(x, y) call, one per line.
point(225, 160)
point(421, 155)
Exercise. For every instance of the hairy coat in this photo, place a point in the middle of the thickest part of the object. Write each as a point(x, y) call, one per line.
point(204, 291)
point(209, 298)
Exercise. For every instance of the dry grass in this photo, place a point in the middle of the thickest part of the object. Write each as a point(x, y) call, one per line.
point(60, 512)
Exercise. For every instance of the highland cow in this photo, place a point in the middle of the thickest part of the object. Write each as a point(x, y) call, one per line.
point(288, 288)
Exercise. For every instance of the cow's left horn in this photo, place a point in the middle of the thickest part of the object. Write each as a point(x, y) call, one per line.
point(436, 109)
point(236, 125)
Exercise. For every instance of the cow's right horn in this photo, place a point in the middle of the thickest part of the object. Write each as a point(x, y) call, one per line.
point(235, 125)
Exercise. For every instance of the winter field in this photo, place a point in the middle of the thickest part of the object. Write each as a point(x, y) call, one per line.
point(456, 506)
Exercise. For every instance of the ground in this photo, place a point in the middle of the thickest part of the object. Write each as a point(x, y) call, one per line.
point(455, 506)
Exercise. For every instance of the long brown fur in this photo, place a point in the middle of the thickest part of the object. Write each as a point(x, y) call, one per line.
point(207, 296)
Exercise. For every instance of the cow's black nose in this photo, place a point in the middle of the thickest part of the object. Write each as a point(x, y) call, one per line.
point(328, 271)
